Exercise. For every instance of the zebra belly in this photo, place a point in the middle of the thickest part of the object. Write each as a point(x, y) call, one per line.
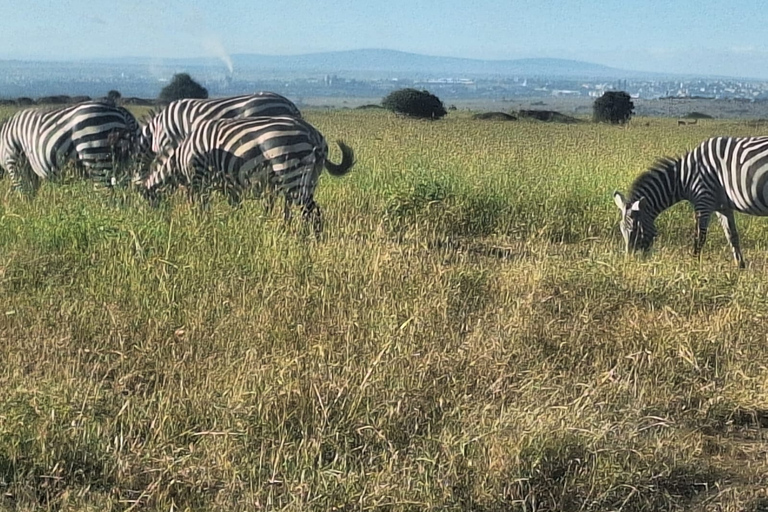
point(748, 193)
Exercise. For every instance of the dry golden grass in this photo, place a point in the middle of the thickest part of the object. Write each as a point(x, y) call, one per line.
point(467, 336)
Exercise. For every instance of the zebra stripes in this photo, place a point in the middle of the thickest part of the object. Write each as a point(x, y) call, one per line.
point(722, 175)
point(172, 124)
point(284, 154)
point(36, 144)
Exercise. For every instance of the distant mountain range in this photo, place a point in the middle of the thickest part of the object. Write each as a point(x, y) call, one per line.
point(353, 73)
point(401, 63)
point(374, 63)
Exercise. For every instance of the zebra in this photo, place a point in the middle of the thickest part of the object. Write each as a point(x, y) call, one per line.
point(284, 154)
point(35, 144)
point(173, 123)
point(722, 175)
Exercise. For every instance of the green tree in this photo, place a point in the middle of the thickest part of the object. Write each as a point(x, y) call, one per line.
point(414, 103)
point(182, 86)
point(613, 107)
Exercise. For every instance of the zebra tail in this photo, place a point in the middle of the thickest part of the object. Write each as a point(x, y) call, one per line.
point(347, 161)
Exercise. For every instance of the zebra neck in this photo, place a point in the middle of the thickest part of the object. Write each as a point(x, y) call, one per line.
point(662, 186)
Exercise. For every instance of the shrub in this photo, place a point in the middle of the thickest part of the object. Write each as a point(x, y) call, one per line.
point(182, 86)
point(547, 116)
point(54, 100)
point(495, 116)
point(613, 107)
point(414, 103)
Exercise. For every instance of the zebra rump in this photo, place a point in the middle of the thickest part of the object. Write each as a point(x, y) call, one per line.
point(285, 155)
point(35, 144)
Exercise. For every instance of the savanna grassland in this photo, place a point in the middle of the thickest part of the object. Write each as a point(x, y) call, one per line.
point(467, 336)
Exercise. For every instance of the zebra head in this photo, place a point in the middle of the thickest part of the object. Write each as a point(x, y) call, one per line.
point(636, 224)
point(164, 175)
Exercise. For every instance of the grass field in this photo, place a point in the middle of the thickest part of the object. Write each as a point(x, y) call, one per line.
point(467, 336)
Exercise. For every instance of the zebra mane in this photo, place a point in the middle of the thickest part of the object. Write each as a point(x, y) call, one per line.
point(150, 114)
point(660, 167)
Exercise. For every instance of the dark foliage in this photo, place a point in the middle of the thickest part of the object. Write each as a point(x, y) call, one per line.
point(182, 86)
point(137, 101)
point(79, 99)
point(613, 107)
point(697, 115)
point(495, 116)
point(54, 100)
point(414, 103)
point(551, 116)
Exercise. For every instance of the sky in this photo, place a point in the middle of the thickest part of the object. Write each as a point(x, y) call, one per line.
point(705, 37)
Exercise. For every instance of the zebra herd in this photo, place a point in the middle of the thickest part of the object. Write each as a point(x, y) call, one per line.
point(260, 142)
point(257, 142)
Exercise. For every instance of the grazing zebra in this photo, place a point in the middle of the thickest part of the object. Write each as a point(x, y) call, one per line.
point(284, 154)
point(172, 124)
point(35, 144)
point(722, 175)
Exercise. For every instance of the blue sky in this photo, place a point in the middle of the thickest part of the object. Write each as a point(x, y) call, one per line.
point(681, 36)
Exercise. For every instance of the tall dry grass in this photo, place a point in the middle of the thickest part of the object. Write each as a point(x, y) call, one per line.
point(467, 336)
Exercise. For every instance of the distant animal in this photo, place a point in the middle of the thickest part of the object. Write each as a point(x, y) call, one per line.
point(279, 154)
point(35, 144)
point(722, 175)
point(173, 123)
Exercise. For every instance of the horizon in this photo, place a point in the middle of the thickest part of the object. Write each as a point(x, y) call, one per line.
point(693, 38)
point(228, 62)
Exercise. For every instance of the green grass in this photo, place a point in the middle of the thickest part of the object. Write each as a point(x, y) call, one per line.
point(467, 336)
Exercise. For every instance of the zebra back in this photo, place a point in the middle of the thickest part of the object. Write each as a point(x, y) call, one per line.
point(178, 119)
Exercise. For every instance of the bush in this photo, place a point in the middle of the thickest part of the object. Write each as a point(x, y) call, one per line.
point(414, 103)
point(495, 116)
point(53, 100)
point(182, 86)
point(613, 107)
point(549, 116)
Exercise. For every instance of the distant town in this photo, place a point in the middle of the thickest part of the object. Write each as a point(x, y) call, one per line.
point(369, 75)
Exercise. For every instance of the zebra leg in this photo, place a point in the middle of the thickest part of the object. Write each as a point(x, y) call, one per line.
point(25, 181)
point(13, 175)
point(729, 227)
point(233, 196)
point(702, 222)
point(287, 210)
point(269, 205)
point(311, 213)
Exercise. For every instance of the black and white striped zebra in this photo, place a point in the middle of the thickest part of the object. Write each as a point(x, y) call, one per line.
point(35, 144)
point(284, 154)
point(722, 175)
point(172, 124)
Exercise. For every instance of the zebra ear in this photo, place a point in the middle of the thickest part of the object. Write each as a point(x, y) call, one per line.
point(618, 198)
point(635, 207)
